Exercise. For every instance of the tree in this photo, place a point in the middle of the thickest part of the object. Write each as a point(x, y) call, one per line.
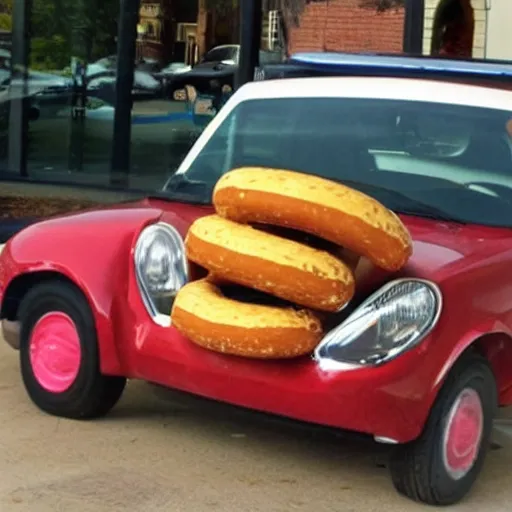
point(61, 29)
point(6, 15)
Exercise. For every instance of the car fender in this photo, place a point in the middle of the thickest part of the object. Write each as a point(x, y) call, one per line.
point(463, 326)
point(92, 250)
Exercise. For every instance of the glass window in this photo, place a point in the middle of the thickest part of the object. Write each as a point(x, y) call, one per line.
point(417, 157)
point(69, 110)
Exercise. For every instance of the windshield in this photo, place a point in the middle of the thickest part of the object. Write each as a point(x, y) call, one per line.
point(434, 160)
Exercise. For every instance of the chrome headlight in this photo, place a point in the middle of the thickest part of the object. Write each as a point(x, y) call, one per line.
point(161, 268)
point(394, 319)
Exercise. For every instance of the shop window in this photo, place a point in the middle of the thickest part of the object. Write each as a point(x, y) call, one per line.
point(69, 110)
point(59, 120)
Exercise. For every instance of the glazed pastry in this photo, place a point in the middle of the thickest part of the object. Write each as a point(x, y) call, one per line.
point(284, 268)
point(317, 206)
point(205, 316)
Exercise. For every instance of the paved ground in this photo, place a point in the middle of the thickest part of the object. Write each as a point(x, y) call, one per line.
point(153, 455)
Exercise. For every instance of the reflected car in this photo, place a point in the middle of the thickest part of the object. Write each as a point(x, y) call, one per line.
point(175, 68)
point(428, 370)
point(217, 70)
point(101, 83)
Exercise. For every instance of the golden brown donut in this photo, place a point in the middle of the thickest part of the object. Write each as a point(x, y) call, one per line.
point(284, 268)
point(318, 206)
point(205, 316)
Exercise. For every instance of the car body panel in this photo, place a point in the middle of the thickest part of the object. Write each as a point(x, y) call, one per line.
point(466, 262)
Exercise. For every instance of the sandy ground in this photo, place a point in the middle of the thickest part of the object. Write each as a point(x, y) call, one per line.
point(182, 454)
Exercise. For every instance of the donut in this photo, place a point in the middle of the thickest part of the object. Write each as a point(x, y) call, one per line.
point(287, 269)
point(213, 321)
point(317, 206)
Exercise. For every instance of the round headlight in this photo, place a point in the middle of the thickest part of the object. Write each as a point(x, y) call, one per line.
point(394, 319)
point(161, 266)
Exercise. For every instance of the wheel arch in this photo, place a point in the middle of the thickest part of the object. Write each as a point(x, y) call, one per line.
point(496, 348)
point(19, 286)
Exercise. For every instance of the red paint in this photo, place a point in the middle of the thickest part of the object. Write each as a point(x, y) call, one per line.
point(55, 352)
point(471, 265)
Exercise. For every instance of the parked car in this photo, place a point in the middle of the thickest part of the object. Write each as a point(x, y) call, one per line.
point(48, 92)
point(423, 376)
point(102, 81)
point(174, 68)
point(217, 70)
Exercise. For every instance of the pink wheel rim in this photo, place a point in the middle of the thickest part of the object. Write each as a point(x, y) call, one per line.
point(55, 352)
point(463, 434)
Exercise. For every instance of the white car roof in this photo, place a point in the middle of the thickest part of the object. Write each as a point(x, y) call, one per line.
point(380, 88)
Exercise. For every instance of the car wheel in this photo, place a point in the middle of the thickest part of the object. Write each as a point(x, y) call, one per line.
point(441, 466)
point(59, 354)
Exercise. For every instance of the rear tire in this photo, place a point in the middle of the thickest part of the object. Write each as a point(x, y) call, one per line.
point(441, 466)
point(59, 354)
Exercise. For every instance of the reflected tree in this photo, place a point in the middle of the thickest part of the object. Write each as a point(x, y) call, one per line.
point(6, 15)
point(61, 29)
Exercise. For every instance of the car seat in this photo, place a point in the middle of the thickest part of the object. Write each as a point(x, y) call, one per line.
point(332, 157)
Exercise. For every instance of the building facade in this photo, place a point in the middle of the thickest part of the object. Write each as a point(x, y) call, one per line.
point(469, 28)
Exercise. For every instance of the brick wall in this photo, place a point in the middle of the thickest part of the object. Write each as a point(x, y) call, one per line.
point(342, 25)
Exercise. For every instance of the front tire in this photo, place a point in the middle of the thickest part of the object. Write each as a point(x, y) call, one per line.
point(59, 355)
point(441, 466)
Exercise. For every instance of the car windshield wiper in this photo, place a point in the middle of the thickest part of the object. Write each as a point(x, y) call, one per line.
point(179, 181)
point(406, 205)
point(176, 188)
point(180, 197)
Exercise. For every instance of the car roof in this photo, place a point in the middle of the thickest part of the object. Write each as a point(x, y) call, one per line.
point(412, 89)
point(329, 61)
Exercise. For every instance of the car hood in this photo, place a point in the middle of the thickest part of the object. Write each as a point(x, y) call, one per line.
point(441, 250)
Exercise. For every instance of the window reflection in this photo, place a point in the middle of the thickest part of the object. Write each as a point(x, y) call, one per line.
point(65, 84)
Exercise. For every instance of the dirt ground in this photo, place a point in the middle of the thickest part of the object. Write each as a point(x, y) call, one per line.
point(181, 454)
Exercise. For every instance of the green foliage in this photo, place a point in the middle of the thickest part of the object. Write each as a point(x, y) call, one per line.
point(5, 21)
point(62, 29)
point(6, 14)
point(6, 6)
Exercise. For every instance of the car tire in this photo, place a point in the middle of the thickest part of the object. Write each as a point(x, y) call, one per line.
point(59, 356)
point(441, 466)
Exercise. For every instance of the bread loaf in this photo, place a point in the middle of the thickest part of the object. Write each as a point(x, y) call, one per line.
point(286, 269)
point(318, 206)
point(205, 316)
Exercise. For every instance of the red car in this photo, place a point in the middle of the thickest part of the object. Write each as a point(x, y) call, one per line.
point(421, 359)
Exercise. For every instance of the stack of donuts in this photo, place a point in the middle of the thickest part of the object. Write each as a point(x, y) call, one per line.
point(241, 245)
